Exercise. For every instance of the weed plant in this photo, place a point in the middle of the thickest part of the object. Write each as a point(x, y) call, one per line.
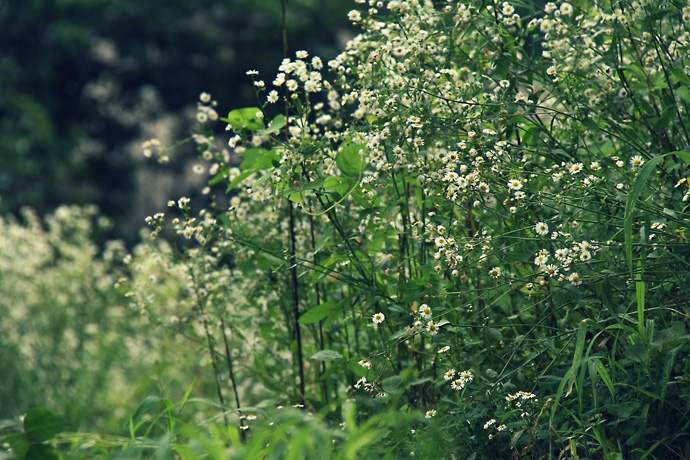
point(464, 237)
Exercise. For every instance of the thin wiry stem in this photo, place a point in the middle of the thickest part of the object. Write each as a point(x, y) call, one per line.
point(232, 373)
point(293, 262)
point(318, 302)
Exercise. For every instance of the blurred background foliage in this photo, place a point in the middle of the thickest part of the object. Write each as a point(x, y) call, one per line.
point(84, 82)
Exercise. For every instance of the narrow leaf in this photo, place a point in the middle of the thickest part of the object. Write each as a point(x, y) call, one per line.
point(317, 313)
point(326, 355)
point(239, 179)
point(634, 195)
point(277, 123)
point(605, 377)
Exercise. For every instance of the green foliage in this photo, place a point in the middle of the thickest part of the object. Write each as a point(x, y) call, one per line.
point(40, 425)
point(69, 340)
point(452, 247)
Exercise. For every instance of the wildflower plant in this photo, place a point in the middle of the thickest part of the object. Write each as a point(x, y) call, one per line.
point(485, 203)
point(70, 342)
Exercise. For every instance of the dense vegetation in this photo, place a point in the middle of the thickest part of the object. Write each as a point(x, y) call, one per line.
point(466, 236)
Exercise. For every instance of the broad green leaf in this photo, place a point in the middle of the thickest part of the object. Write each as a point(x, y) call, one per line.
point(392, 384)
point(335, 184)
point(326, 355)
point(587, 123)
point(41, 424)
point(258, 159)
point(399, 335)
point(350, 160)
point(296, 197)
point(665, 118)
point(333, 317)
point(41, 452)
point(678, 75)
point(245, 119)
point(19, 444)
point(163, 448)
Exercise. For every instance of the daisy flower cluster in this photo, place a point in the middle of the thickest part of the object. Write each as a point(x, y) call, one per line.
point(518, 409)
point(425, 323)
point(458, 380)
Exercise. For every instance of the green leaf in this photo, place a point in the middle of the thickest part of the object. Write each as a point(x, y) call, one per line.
point(335, 314)
point(634, 195)
point(296, 197)
point(392, 384)
point(335, 184)
point(41, 424)
point(186, 396)
point(326, 355)
point(665, 118)
point(569, 377)
point(639, 294)
point(678, 75)
point(669, 362)
point(20, 445)
point(41, 452)
point(350, 160)
point(317, 313)
point(245, 119)
point(145, 405)
point(402, 333)
point(332, 368)
point(587, 123)
point(323, 239)
point(494, 333)
point(420, 381)
point(221, 176)
point(277, 123)
point(258, 159)
point(356, 368)
point(239, 179)
point(604, 374)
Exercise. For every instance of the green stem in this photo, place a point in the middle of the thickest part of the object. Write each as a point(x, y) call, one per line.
point(232, 373)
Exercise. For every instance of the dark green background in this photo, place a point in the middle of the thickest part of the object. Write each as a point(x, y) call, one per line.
point(84, 82)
